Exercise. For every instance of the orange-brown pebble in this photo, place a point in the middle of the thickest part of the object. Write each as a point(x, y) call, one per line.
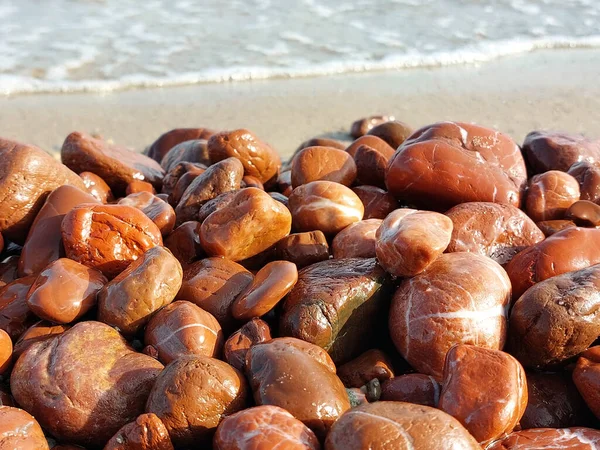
point(323, 163)
point(108, 237)
point(64, 291)
point(249, 225)
point(259, 159)
point(264, 427)
point(20, 431)
point(146, 433)
point(97, 187)
point(550, 194)
point(324, 205)
point(270, 285)
point(485, 390)
point(253, 332)
point(136, 186)
point(357, 240)
point(408, 241)
point(584, 213)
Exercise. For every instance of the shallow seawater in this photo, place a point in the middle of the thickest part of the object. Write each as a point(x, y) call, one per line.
point(100, 45)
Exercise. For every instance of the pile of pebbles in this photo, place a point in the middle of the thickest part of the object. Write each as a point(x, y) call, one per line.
point(428, 289)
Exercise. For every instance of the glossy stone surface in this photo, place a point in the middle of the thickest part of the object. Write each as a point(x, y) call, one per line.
point(462, 298)
point(49, 374)
point(486, 390)
point(182, 329)
point(264, 427)
point(192, 395)
point(64, 291)
point(108, 237)
point(409, 241)
point(299, 376)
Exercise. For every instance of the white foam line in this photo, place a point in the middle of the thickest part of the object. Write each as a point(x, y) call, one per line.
point(13, 84)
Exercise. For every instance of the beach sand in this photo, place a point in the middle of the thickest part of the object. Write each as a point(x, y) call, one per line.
point(550, 89)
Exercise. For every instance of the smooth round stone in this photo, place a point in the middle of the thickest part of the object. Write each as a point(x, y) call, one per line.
point(412, 388)
point(19, 430)
point(97, 187)
point(92, 363)
point(136, 186)
point(147, 432)
point(108, 237)
point(550, 150)
point(397, 425)
point(362, 126)
point(236, 347)
point(39, 331)
point(324, 205)
point(571, 249)
point(194, 151)
point(393, 132)
point(182, 329)
point(157, 210)
point(303, 249)
point(356, 240)
point(584, 213)
point(374, 142)
point(6, 351)
point(554, 320)
point(224, 176)
point(32, 174)
point(323, 163)
point(44, 241)
point(588, 175)
point(264, 427)
point(462, 298)
point(259, 159)
point(64, 291)
point(491, 229)
point(148, 284)
point(550, 194)
point(166, 141)
point(576, 438)
point(485, 390)
point(192, 395)
point(378, 203)
point(213, 284)
point(299, 376)
point(372, 364)
point(409, 241)
point(586, 377)
point(447, 163)
point(273, 282)
point(371, 166)
point(117, 166)
point(252, 223)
